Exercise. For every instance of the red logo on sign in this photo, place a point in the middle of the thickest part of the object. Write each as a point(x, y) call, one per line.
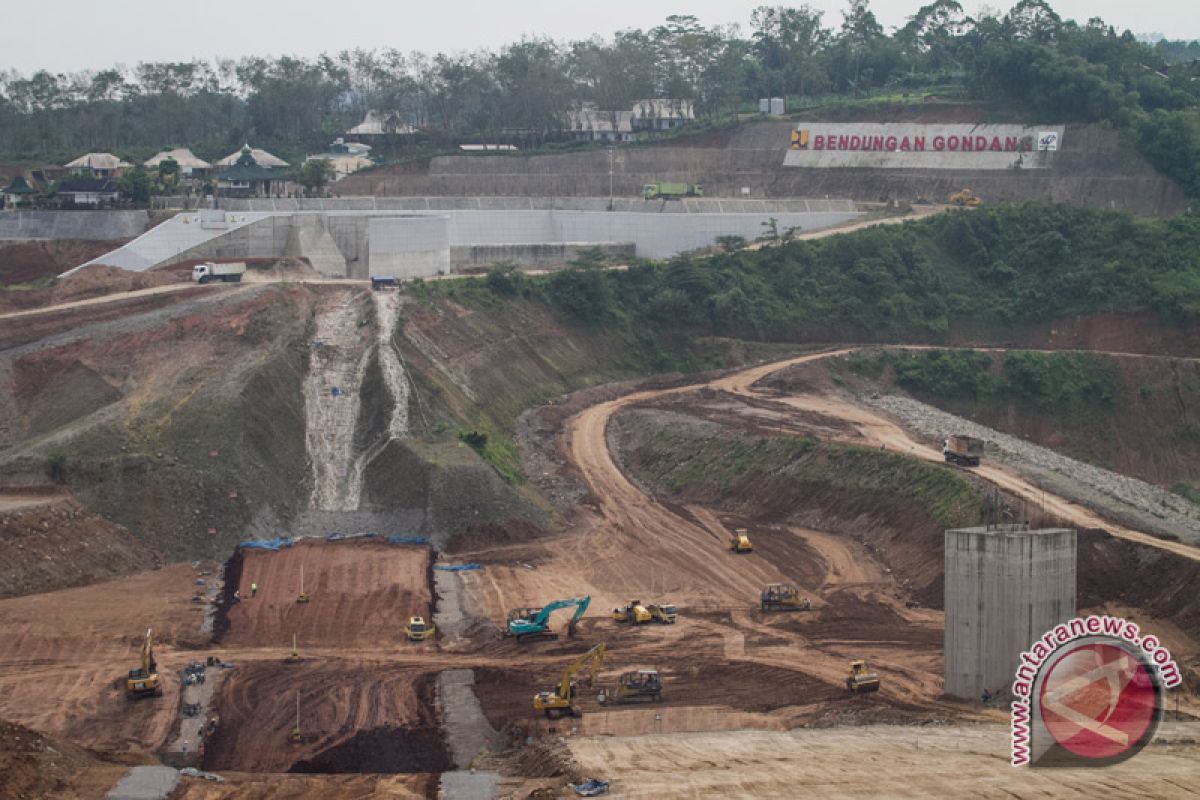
point(1098, 701)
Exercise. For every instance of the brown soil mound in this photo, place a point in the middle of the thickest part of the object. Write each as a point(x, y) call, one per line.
point(22, 262)
point(33, 765)
point(94, 281)
point(60, 545)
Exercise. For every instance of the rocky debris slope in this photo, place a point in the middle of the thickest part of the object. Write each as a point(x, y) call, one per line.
point(387, 310)
point(1126, 499)
point(331, 405)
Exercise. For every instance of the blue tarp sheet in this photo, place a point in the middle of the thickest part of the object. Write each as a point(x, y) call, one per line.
point(457, 567)
point(267, 544)
point(408, 540)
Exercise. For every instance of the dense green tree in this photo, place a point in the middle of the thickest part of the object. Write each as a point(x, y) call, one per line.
point(135, 185)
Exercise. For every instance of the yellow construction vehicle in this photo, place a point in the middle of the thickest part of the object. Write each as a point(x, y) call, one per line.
point(861, 679)
point(293, 656)
point(417, 630)
point(633, 611)
point(783, 597)
point(561, 701)
point(740, 541)
point(662, 612)
point(964, 198)
point(144, 681)
point(645, 684)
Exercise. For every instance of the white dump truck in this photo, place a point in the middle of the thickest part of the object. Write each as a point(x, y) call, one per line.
point(230, 273)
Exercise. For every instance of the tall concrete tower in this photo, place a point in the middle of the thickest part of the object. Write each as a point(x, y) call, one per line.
point(1006, 586)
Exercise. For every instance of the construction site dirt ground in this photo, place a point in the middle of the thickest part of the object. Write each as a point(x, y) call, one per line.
point(738, 682)
point(360, 594)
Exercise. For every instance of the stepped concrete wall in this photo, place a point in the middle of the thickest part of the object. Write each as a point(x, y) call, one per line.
point(88, 225)
point(356, 244)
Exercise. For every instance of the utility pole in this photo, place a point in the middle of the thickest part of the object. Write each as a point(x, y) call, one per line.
point(610, 177)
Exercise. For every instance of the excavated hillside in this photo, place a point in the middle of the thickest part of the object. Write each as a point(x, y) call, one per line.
point(179, 417)
point(1094, 167)
point(760, 468)
point(1133, 415)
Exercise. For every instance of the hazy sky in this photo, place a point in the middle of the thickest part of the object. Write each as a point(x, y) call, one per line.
point(68, 35)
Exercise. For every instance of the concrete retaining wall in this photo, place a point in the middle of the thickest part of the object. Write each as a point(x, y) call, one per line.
point(407, 245)
point(88, 225)
point(534, 255)
point(703, 205)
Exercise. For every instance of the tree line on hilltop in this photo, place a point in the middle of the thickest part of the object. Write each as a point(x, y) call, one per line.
point(1028, 61)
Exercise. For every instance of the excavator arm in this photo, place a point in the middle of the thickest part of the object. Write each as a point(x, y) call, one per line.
point(148, 665)
point(592, 659)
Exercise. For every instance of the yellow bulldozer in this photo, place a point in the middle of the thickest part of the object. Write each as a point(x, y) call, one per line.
point(860, 679)
point(561, 700)
point(417, 629)
point(144, 681)
point(963, 197)
point(739, 542)
point(783, 597)
point(633, 611)
point(634, 686)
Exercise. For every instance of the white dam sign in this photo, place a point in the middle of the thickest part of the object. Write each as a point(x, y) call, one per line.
point(876, 145)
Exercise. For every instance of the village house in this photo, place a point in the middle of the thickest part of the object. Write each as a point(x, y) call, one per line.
point(189, 165)
point(98, 165)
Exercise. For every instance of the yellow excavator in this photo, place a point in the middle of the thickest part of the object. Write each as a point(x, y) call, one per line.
point(963, 197)
point(418, 630)
point(861, 679)
point(634, 612)
point(144, 681)
point(560, 701)
point(740, 541)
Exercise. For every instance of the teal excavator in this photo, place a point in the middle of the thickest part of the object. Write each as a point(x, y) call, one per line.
point(527, 624)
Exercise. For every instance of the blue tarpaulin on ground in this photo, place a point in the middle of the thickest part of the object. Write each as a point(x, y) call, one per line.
point(267, 544)
point(457, 567)
point(408, 540)
point(592, 788)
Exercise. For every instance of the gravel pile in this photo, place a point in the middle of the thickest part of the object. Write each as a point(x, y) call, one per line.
point(1126, 499)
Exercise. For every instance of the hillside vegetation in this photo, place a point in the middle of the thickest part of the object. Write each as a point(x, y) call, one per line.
point(991, 267)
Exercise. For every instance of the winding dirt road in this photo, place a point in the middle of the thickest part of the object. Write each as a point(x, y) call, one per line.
point(875, 429)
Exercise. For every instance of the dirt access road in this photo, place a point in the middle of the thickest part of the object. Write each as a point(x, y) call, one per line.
point(875, 429)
